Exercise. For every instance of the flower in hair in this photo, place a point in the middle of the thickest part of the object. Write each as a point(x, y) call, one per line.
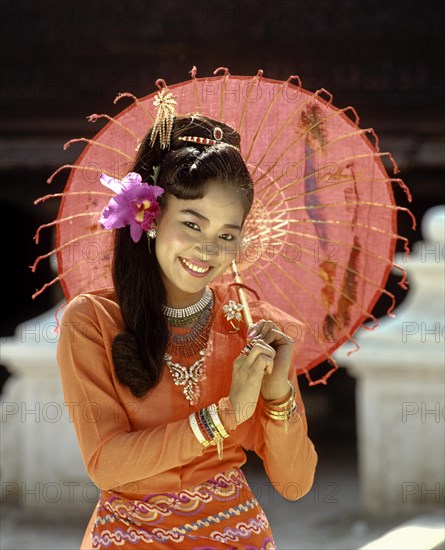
point(135, 204)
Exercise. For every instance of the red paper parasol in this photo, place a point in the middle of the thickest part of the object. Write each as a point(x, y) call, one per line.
point(320, 239)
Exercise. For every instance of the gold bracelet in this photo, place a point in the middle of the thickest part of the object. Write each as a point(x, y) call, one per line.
point(282, 411)
point(283, 415)
point(284, 404)
point(213, 411)
point(284, 419)
point(220, 434)
point(194, 426)
point(213, 424)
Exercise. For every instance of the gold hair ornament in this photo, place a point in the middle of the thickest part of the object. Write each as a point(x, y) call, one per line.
point(166, 111)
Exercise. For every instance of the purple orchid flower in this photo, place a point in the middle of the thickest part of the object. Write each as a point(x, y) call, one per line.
point(135, 204)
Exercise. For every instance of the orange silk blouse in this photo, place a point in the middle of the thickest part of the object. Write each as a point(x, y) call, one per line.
point(144, 446)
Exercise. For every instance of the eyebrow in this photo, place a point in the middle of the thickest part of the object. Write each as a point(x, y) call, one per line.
point(201, 217)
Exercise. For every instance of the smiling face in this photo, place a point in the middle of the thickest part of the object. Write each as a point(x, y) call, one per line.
point(197, 240)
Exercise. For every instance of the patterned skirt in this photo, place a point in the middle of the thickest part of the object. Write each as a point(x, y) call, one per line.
point(221, 513)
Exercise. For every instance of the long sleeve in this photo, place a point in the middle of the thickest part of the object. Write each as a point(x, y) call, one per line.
point(114, 455)
point(290, 458)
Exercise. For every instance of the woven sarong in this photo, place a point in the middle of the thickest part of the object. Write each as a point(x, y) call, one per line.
point(221, 513)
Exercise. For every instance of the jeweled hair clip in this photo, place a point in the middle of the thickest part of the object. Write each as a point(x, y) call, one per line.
point(218, 135)
point(232, 312)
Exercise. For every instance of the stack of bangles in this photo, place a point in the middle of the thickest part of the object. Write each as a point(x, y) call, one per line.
point(208, 428)
point(282, 411)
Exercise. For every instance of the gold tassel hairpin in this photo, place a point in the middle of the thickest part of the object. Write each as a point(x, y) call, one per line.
point(166, 111)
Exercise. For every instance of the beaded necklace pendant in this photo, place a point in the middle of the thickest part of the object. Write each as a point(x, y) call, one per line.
point(190, 344)
point(189, 377)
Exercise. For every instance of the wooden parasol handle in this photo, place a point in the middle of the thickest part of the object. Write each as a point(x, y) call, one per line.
point(242, 295)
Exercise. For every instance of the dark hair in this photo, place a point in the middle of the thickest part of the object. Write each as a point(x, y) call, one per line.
point(185, 168)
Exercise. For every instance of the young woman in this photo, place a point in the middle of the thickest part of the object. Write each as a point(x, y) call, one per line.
point(168, 394)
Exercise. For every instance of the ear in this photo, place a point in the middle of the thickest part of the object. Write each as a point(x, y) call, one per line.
point(155, 223)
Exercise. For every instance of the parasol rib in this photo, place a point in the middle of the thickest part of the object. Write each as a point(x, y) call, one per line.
point(147, 113)
point(345, 182)
point(256, 80)
point(262, 123)
point(70, 193)
point(63, 246)
point(307, 270)
point(94, 117)
point(97, 144)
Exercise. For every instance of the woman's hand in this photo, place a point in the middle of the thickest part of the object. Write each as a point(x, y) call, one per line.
point(247, 378)
point(275, 381)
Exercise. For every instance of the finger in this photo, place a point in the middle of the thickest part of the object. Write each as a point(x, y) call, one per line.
point(243, 358)
point(266, 333)
point(263, 363)
point(269, 332)
point(260, 348)
point(280, 337)
point(249, 346)
point(257, 344)
point(255, 329)
point(259, 360)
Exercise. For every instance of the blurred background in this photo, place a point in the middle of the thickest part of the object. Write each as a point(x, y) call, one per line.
point(62, 61)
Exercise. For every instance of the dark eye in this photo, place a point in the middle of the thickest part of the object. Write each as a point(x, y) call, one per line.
point(191, 225)
point(228, 237)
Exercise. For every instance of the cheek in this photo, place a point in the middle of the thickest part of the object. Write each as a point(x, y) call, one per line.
point(173, 241)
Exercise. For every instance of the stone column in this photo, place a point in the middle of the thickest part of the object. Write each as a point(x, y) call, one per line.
point(400, 371)
point(41, 465)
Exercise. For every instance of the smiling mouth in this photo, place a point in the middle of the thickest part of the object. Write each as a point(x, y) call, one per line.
point(193, 268)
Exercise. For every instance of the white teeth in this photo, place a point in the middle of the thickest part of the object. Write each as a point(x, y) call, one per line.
point(194, 267)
